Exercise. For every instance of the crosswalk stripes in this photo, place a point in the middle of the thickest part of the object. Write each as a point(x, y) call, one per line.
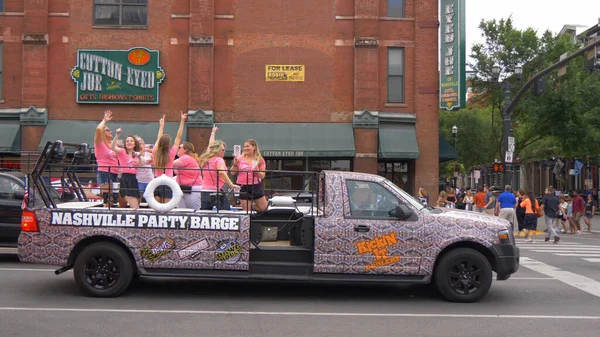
point(590, 253)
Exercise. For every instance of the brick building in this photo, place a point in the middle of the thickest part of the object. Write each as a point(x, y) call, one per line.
point(360, 91)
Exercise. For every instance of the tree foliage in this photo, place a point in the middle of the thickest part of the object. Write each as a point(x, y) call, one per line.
point(563, 122)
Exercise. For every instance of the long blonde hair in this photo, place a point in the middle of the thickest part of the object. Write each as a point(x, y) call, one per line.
point(257, 155)
point(190, 150)
point(212, 151)
point(161, 154)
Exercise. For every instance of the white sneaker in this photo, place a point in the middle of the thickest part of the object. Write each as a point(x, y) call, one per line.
point(528, 240)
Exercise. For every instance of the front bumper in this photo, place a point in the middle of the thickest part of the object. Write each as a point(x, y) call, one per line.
point(507, 260)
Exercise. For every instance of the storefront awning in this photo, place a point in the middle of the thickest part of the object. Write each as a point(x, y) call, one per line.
point(78, 132)
point(291, 139)
point(398, 141)
point(10, 136)
point(447, 152)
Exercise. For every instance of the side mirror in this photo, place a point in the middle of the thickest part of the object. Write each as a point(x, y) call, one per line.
point(19, 194)
point(402, 212)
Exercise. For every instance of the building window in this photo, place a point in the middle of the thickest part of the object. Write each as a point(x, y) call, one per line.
point(398, 172)
point(395, 8)
point(121, 13)
point(1, 5)
point(1, 68)
point(395, 75)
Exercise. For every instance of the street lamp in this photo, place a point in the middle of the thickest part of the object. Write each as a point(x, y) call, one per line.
point(508, 143)
point(454, 132)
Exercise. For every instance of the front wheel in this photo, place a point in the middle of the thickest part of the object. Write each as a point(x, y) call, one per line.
point(463, 275)
point(103, 269)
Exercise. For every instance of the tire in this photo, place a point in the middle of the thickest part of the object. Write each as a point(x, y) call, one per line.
point(103, 269)
point(463, 275)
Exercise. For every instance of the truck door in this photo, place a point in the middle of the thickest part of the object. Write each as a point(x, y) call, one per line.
point(367, 238)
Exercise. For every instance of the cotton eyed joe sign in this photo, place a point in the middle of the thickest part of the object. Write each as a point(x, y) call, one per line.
point(118, 76)
point(151, 221)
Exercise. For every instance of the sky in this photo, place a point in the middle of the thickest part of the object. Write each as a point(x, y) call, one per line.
point(537, 14)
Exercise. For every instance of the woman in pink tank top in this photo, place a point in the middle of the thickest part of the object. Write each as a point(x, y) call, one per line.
point(129, 160)
point(106, 159)
point(164, 154)
point(250, 168)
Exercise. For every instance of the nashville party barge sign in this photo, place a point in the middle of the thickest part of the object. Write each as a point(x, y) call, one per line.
point(118, 76)
point(148, 221)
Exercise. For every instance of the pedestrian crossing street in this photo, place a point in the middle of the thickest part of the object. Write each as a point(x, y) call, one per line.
point(590, 253)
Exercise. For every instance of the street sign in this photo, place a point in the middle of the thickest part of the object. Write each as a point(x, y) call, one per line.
point(508, 156)
point(511, 140)
point(477, 174)
point(511, 147)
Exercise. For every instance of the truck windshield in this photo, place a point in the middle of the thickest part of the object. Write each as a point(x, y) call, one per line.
point(409, 198)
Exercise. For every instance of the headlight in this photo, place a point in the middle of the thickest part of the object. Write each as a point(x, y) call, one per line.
point(506, 236)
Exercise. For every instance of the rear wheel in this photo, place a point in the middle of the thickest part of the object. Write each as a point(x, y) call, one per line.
point(103, 269)
point(463, 275)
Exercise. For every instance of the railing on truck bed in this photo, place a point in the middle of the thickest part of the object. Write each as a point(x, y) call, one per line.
point(67, 163)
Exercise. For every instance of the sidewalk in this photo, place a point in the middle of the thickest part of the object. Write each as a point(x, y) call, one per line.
point(541, 228)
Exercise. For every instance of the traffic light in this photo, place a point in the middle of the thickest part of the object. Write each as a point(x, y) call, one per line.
point(499, 168)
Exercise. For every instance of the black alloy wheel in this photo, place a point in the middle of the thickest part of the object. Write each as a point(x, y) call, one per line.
point(463, 275)
point(103, 269)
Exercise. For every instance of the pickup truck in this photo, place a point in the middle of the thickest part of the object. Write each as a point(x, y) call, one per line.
point(360, 228)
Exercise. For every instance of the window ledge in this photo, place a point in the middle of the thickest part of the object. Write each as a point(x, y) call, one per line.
point(1, 101)
point(121, 27)
point(396, 105)
point(390, 18)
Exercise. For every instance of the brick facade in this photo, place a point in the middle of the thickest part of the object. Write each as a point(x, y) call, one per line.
point(214, 54)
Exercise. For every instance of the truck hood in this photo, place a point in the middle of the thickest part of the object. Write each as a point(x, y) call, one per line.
point(469, 218)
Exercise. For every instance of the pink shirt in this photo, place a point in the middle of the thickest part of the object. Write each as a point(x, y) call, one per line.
point(250, 178)
point(159, 171)
point(190, 176)
point(105, 157)
point(131, 163)
point(209, 183)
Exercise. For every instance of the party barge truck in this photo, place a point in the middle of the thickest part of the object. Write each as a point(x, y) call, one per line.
point(344, 227)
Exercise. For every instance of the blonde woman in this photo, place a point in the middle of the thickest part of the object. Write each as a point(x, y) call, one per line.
point(187, 168)
point(144, 174)
point(251, 166)
point(164, 154)
point(441, 200)
point(214, 176)
point(469, 200)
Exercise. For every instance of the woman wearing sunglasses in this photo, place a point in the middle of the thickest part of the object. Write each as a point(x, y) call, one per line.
point(106, 159)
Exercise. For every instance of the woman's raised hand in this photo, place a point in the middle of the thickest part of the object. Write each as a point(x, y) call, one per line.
point(161, 121)
point(119, 131)
point(215, 129)
point(107, 115)
point(183, 116)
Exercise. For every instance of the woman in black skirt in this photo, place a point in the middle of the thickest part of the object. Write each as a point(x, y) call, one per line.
point(129, 161)
point(520, 210)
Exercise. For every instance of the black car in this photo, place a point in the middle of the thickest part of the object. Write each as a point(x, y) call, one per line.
point(12, 192)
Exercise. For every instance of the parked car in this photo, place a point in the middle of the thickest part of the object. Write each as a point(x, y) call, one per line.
point(12, 192)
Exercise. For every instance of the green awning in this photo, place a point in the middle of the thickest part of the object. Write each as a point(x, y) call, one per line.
point(447, 152)
point(10, 136)
point(291, 139)
point(398, 141)
point(78, 132)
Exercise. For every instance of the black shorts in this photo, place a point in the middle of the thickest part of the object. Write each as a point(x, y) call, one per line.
point(251, 192)
point(163, 191)
point(128, 185)
point(530, 221)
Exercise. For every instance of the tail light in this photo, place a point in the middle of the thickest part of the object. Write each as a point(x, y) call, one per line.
point(29, 222)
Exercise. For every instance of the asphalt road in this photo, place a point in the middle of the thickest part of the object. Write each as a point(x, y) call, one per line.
point(555, 293)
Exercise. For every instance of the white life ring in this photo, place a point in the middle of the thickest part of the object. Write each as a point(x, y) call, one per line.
point(159, 181)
